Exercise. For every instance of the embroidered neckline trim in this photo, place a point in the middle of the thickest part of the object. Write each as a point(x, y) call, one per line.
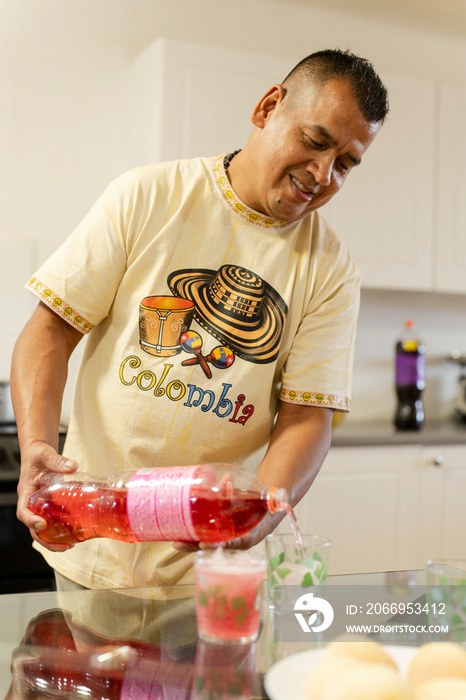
point(233, 201)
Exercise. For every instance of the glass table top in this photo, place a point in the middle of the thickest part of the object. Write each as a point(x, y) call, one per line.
point(143, 643)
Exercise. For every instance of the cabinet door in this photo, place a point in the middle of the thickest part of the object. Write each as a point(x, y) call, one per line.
point(451, 212)
point(191, 100)
point(362, 500)
point(442, 499)
point(384, 211)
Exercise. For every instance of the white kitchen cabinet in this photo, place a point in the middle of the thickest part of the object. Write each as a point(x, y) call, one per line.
point(359, 501)
point(388, 508)
point(384, 213)
point(403, 215)
point(450, 253)
point(442, 499)
point(192, 100)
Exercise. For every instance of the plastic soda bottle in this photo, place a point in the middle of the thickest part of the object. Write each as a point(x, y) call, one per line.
point(205, 502)
point(409, 379)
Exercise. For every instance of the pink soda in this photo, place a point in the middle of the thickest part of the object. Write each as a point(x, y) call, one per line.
point(229, 587)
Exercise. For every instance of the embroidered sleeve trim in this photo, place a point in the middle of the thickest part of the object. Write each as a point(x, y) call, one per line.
point(59, 305)
point(316, 398)
point(233, 201)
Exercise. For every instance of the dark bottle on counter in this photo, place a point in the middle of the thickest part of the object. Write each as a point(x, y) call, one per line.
point(409, 379)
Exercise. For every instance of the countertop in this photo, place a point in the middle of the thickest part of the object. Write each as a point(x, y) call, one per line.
point(358, 434)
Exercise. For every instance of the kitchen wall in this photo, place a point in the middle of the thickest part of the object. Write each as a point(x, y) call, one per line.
point(64, 133)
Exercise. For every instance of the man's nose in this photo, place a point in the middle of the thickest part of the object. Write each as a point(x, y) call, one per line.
point(321, 167)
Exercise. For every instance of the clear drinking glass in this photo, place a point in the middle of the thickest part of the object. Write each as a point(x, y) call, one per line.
point(229, 586)
point(446, 581)
point(286, 566)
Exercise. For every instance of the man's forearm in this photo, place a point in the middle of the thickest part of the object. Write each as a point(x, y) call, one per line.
point(39, 372)
point(298, 446)
point(38, 377)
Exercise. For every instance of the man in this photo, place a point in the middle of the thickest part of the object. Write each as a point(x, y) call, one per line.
point(220, 312)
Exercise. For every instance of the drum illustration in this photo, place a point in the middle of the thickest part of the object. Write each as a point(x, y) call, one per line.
point(162, 321)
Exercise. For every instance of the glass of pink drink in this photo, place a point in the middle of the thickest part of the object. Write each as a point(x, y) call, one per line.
point(229, 587)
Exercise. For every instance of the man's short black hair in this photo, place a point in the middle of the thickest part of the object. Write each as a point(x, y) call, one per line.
point(333, 64)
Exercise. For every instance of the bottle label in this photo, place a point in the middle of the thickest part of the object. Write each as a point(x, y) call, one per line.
point(410, 368)
point(159, 505)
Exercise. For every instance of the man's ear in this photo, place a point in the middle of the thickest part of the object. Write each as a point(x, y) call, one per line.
point(272, 98)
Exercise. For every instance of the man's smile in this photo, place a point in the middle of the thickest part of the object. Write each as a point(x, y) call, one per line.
point(301, 191)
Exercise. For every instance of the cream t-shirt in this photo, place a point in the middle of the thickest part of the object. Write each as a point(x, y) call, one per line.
point(200, 314)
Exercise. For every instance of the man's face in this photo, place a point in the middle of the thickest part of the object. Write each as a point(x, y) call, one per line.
point(306, 145)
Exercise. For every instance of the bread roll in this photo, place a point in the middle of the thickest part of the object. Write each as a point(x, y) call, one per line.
point(361, 649)
point(367, 681)
point(329, 668)
point(437, 660)
point(441, 689)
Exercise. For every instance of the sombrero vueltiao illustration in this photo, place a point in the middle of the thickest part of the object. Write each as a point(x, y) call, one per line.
point(237, 307)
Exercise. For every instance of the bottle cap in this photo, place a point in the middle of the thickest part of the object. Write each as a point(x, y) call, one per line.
point(277, 499)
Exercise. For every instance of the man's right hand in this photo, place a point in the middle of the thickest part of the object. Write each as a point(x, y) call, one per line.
point(38, 460)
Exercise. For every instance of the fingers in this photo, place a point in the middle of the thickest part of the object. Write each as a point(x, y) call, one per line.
point(186, 546)
point(32, 521)
point(196, 546)
point(61, 464)
point(225, 485)
point(52, 547)
point(240, 543)
point(39, 461)
point(211, 545)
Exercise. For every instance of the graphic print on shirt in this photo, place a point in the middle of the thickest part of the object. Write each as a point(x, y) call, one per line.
point(233, 304)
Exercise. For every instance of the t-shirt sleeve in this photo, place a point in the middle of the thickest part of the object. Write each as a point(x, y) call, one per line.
point(80, 280)
point(318, 370)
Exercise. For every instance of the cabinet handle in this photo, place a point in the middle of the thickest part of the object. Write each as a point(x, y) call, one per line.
point(438, 461)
